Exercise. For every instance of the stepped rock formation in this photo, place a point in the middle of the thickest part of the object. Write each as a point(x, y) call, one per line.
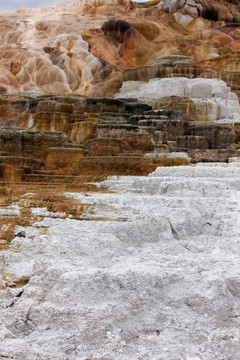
point(105, 283)
point(210, 98)
point(57, 138)
point(134, 266)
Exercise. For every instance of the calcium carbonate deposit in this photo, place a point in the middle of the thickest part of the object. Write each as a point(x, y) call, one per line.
point(211, 96)
point(150, 271)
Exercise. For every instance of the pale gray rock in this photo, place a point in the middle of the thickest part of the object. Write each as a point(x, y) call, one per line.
point(211, 96)
point(159, 277)
point(179, 155)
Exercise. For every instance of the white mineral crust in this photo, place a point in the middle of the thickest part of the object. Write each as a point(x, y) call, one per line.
point(212, 97)
point(150, 271)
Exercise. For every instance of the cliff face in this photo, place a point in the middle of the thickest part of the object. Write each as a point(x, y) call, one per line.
point(82, 48)
point(59, 138)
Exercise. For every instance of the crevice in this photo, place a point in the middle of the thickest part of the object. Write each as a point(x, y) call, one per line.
point(174, 232)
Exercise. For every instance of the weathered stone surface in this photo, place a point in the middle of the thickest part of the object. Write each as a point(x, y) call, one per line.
point(208, 98)
point(164, 67)
point(147, 266)
point(169, 131)
point(79, 48)
point(32, 144)
point(212, 155)
point(99, 167)
point(61, 130)
point(185, 11)
point(135, 283)
point(63, 160)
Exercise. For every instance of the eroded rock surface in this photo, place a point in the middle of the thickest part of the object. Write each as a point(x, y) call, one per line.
point(79, 48)
point(186, 11)
point(104, 283)
point(211, 98)
point(50, 138)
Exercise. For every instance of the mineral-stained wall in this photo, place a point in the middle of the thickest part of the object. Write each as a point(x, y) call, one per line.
point(43, 138)
point(59, 62)
point(82, 48)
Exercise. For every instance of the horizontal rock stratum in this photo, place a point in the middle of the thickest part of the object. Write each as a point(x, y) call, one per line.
point(211, 97)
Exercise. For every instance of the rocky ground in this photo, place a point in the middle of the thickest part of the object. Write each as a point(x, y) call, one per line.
point(148, 269)
point(135, 266)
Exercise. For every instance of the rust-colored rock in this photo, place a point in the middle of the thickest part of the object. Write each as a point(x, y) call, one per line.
point(31, 144)
point(15, 68)
point(99, 167)
point(63, 160)
point(41, 51)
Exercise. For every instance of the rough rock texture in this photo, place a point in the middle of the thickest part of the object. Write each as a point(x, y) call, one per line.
point(147, 271)
point(164, 67)
point(56, 138)
point(80, 48)
point(186, 11)
point(211, 98)
point(140, 268)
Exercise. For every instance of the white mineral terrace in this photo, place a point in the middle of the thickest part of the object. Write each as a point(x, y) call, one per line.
point(156, 277)
point(212, 97)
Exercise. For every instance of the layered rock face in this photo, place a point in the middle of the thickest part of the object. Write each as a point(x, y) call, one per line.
point(45, 139)
point(210, 98)
point(184, 66)
point(147, 271)
point(57, 138)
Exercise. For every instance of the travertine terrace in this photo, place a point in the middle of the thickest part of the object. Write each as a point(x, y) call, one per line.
point(119, 181)
point(149, 270)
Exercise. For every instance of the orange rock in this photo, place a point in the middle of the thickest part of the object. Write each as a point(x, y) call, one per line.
point(52, 51)
point(104, 166)
point(15, 68)
point(63, 160)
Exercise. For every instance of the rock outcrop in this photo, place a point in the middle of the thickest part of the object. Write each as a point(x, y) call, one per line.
point(79, 48)
point(210, 99)
point(135, 267)
point(184, 66)
point(185, 11)
point(46, 139)
point(164, 67)
point(56, 138)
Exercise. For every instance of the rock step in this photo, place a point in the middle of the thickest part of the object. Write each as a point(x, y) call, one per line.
point(42, 172)
point(114, 119)
point(113, 115)
point(31, 186)
point(163, 121)
point(117, 126)
point(200, 170)
point(49, 178)
point(132, 154)
point(73, 146)
point(129, 165)
point(180, 187)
